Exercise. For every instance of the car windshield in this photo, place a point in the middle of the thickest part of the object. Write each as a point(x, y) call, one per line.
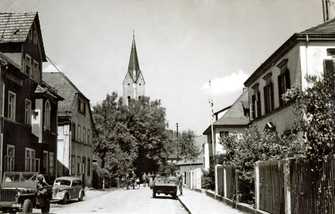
point(19, 180)
point(63, 182)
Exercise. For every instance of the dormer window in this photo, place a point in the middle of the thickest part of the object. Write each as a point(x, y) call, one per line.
point(28, 65)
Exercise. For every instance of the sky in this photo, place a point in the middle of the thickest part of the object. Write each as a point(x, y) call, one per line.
point(181, 45)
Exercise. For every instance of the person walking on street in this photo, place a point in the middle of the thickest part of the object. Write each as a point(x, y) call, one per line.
point(144, 179)
point(180, 182)
point(43, 195)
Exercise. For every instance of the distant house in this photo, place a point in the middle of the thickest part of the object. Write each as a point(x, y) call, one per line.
point(230, 120)
point(28, 105)
point(302, 54)
point(75, 128)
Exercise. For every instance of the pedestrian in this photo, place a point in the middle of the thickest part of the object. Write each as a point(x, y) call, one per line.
point(180, 182)
point(144, 179)
point(43, 194)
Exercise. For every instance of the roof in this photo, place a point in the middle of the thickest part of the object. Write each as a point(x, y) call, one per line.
point(234, 116)
point(65, 88)
point(133, 67)
point(321, 33)
point(324, 28)
point(15, 27)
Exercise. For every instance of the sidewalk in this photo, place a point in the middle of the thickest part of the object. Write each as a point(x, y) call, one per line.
point(199, 203)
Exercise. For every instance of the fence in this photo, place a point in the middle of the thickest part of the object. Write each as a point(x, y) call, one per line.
point(291, 186)
point(192, 178)
point(226, 182)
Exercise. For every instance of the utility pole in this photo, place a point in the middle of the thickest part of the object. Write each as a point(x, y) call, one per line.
point(211, 103)
point(177, 126)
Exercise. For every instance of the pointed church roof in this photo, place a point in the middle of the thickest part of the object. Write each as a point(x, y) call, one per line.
point(133, 66)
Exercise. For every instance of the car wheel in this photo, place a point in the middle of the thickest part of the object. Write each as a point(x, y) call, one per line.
point(66, 198)
point(27, 206)
point(81, 196)
point(154, 194)
point(174, 195)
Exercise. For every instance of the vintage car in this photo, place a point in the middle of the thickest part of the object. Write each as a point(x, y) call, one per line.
point(67, 188)
point(18, 192)
point(164, 185)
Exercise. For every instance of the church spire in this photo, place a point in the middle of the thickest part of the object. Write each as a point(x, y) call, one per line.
point(133, 66)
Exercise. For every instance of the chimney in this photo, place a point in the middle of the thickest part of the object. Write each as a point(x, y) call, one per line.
point(328, 9)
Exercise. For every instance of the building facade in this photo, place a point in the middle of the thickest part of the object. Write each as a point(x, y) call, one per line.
point(301, 55)
point(232, 120)
point(133, 83)
point(28, 105)
point(75, 128)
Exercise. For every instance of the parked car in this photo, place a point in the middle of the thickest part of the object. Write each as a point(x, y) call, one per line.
point(18, 192)
point(164, 185)
point(67, 188)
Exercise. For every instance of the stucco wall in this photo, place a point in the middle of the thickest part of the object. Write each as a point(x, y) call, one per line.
point(301, 61)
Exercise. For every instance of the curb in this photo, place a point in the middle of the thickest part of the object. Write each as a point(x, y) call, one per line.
point(184, 205)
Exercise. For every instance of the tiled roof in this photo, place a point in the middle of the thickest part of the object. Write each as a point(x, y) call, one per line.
point(65, 88)
point(14, 27)
point(133, 67)
point(235, 114)
point(324, 28)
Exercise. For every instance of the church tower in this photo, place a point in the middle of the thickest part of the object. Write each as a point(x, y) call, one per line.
point(133, 83)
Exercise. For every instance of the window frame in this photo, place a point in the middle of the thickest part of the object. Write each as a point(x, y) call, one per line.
point(11, 107)
point(27, 112)
point(29, 160)
point(10, 159)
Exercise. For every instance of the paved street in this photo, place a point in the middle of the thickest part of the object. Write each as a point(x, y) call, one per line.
point(121, 201)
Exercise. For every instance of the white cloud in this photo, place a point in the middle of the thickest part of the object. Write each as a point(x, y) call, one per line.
point(225, 85)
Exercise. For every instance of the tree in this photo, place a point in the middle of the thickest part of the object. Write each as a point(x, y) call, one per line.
point(130, 137)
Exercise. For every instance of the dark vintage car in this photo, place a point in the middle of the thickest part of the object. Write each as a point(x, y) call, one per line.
point(18, 192)
point(164, 185)
point(67, 188)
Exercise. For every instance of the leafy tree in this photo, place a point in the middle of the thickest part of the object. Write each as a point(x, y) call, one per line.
point(130, 137)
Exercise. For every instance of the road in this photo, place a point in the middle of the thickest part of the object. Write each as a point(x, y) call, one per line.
point(122, 201)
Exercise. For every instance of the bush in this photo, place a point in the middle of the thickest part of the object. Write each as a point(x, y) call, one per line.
point(208, 180)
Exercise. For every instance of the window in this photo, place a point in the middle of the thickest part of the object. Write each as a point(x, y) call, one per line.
point(45, 162)
point(81, 106)
point(73, 126)
point(79, 130)
point(78, 165)
point(84, 166)
point(268, 97)
point(28, 65)
point(30, 160)
point(47, 115)
point(88, 167)
point(10, 158)
point(73, 165)
point(253, 106)
point(88, 136)
point(284, 83)
point(51, 163)
point(27, 112)
point(35, 37)
point(84, 135)
point(259, 104)
point(224, 134)
point(35, 67)
point(11, 105)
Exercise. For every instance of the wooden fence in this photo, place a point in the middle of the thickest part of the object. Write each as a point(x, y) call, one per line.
point(292, 186)
point(312, 192)
point(225, 182)
point(271, 187)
